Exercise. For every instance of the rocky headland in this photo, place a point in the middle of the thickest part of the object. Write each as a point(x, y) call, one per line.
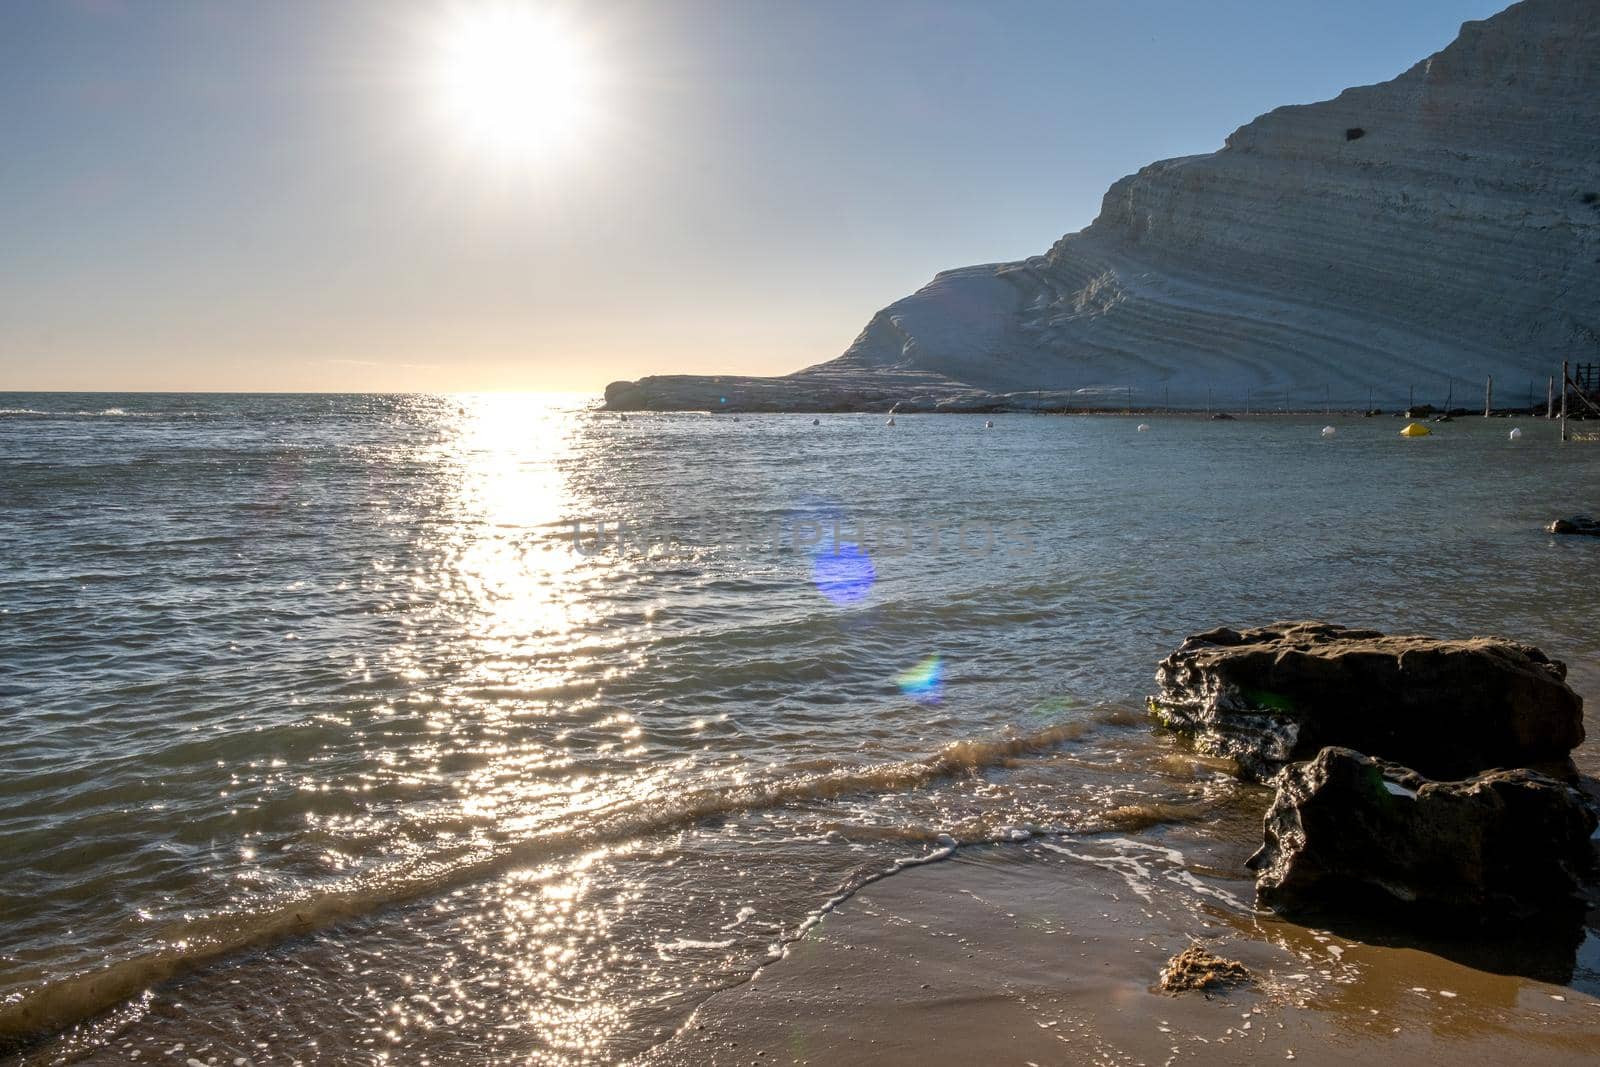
point(1444, 225)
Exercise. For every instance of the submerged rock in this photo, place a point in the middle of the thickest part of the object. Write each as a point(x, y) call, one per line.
point(1578, 524)
point(1349, 830)
point(1283, 692)
point(1195, 968)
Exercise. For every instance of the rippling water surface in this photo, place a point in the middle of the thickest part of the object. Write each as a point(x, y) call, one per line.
point(325, 738)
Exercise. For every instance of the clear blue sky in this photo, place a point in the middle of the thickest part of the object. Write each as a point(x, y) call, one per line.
point(264, 195)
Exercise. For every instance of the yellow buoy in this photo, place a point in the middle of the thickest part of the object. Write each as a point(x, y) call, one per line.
point(1415, 429)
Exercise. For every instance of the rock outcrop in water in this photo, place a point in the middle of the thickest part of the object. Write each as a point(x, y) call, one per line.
point(1282, 692)
point(1581, 525)
point(1443, 224)
point(1349, 830)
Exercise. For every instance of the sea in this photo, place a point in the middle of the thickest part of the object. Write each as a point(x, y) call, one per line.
point(490, 728)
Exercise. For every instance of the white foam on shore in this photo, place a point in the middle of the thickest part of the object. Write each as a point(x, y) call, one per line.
point(1142, 875)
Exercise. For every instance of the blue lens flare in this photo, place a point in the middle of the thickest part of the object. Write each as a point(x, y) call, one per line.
point(842, 572)
point(923, 683)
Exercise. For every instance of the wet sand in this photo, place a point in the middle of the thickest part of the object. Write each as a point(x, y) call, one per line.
point(1050, 954)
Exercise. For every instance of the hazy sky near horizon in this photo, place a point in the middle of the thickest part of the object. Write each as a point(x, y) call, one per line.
point(220, 195)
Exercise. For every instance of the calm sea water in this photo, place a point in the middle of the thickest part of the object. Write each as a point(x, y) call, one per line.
point(324, 738)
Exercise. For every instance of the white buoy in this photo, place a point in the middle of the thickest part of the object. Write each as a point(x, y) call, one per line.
point(1144, 427)
point(1516, 432)
point(988, 424)
point(1328, 431)
point(889, 421)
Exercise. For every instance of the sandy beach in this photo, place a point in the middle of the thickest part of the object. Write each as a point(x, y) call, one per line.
point(1038, 957)
point(1051, 953)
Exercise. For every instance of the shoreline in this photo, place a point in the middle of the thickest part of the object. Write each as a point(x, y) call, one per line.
point(1220, 414)
point(1053, 947)
point(1053, 950)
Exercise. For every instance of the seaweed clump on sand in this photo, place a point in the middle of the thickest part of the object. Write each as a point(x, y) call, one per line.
point(1195, 968)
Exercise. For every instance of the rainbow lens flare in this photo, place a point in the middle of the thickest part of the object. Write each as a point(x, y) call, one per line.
point(842, 572)
point(924, 682)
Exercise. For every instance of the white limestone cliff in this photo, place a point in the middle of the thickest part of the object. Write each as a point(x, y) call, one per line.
point(1443, 226)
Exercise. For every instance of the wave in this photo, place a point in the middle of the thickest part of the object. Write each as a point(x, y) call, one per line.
point(1128, 818)
point(103, 413)
point(947, 846)
point(665, 949)
point(1141, 864)
point(55, 1005)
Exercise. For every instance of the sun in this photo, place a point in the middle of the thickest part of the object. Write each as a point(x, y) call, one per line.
point(513, 79)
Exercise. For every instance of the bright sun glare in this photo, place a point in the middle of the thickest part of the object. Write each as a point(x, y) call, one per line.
point(514, 79)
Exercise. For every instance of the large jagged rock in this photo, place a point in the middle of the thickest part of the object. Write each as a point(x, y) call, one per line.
point(1444, 223)
point(1347, 831)
point(1284, 691)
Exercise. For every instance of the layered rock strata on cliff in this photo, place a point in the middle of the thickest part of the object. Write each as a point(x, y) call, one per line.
point(1443, 226)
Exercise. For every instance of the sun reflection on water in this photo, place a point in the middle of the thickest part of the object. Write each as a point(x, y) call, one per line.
point(506, 554)
point(504, 713)
point(529, 629)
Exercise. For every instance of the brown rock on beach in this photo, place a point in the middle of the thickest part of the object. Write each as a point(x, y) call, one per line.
point(1348, 830)
point(1447, 708)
